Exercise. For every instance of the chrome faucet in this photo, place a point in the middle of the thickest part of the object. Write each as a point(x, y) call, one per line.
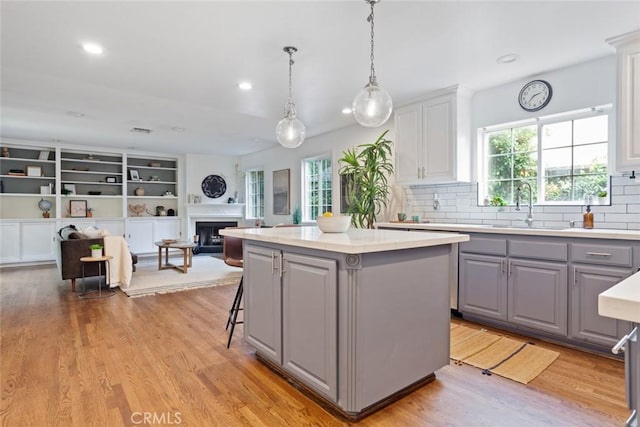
point(529, 218)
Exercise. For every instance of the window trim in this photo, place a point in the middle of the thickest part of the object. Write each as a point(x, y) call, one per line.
point(248, 207)
point(304, 208)
point(483, 146)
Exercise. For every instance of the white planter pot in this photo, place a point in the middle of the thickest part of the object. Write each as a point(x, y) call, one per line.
point(96, 253)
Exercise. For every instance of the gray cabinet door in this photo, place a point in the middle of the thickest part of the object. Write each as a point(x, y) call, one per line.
point(309, 311)
point(538, 295)
point(262, 301)
point(483, 286)
point(586, 323)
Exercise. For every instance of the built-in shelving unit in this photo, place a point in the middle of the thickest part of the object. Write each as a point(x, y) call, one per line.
point(88, 174)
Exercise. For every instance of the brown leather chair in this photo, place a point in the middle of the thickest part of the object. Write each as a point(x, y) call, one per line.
point(232, 255)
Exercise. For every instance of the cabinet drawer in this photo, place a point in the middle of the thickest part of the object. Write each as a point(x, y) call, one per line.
point(483, 245)
point(538, 250)
point(602, 254)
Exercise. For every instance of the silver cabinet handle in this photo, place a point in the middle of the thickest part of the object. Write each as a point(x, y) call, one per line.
point(598, 254)
point(632, 420)
point(282, 270)
point(273, 268)
point(620, 345)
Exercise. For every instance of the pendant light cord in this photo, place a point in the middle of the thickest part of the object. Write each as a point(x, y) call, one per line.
point(372, 76)
point(290, 108)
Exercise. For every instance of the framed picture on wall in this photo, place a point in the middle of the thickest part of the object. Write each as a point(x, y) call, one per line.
point(281, 189)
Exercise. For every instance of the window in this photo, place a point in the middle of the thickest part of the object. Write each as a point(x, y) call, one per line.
point(317, 175)
point(255, 194)
point(564, 158)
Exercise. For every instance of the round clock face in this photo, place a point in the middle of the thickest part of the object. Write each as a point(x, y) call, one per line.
point(535, 95)
point(214, 186)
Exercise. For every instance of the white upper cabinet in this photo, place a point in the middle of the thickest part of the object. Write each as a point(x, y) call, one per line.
point(628, 102)
point(433, 139)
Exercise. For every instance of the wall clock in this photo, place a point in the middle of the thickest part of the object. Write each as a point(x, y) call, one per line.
point(535, 95)
point(214, 186)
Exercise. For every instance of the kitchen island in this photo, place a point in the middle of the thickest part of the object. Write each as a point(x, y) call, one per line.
point(356, 319)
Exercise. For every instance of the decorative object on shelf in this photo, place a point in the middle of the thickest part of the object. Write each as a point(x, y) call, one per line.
point(43, 155)
point(89, 212)
point(154, 178)
point(371, 168)
point(197, 200)
point(16, 172)
point(5, 152)
point(111, 180)
point(45, 189)
point(372, 106)
point(535, 95)
point(281, 191)
point(402, 216)
point(169, 241)
point(296, 218)
point(95, 193)
point(96, 250)
point(80, 169)
point(45, 206)
point(290, 131)
point(89, 157)
point(154, 164)
point(78, 208)
point(161, 211)
point(137, 209)
point(34, 170)
point(171, 212)
point(602, 197)
point(214, 186)
point(168, 194)
point(69, 189)
point(139, 191)
point(231, 200)
point(134, 175)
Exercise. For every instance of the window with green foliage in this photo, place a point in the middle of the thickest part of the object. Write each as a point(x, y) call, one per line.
point(317, 173)
point(255, 194)
point(563, 158)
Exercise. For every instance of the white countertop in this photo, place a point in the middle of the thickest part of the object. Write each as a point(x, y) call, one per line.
point(622, 301)
point(596, 233)
point(354, 241)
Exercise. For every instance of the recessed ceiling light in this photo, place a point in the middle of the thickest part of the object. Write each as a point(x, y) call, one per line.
point(346, 110)
point(92, 48)
point(245, 85)
point(75, 114)
point(508, 58)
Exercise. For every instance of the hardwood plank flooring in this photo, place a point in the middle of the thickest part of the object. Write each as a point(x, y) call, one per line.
point(162, 360)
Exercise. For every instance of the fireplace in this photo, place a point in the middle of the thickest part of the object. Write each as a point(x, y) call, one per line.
point(209, 240)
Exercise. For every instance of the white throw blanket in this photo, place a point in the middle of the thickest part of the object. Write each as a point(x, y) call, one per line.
point(121, 266)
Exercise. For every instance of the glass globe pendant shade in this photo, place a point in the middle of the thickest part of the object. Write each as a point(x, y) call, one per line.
point(290, 131)
point(372, 106)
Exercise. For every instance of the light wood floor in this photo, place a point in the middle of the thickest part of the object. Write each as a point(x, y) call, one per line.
point(73, 362)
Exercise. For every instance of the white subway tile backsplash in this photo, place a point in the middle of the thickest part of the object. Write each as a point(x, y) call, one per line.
point(458, 203)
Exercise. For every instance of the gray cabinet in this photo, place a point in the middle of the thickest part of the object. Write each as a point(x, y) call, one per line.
point(586, 324)
point(263, 301)
point(537, 293)
point(497, 282)
point(291, 314)
point(483, 285)
point(309, 311)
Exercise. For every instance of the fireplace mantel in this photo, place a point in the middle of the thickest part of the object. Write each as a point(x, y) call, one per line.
point(212, 212)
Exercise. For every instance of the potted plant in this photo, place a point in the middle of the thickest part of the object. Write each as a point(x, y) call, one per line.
point(89, 212)
point(498, 202)
point(96, 250)
point(602, 197)
point(370, 166)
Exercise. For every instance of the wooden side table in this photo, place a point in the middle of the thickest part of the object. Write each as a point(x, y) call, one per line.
point(107, 270)
point(187, 255)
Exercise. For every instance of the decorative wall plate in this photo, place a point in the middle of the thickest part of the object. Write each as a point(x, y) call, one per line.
point(214, 186)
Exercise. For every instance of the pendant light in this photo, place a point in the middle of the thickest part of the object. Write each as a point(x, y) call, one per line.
point(290, 131)
point(372, 106)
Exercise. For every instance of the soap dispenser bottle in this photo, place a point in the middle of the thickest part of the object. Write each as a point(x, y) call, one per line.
point(587, 218)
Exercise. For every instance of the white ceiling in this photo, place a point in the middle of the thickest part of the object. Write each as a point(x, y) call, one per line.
point(176, 64)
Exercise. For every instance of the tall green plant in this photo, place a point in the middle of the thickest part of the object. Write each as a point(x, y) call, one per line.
point(369, 166)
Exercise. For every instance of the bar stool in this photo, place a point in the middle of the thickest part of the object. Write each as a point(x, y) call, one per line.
point(107, 270)
point(232, 255)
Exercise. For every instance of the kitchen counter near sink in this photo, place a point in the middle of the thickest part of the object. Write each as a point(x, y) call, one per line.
point(596, 233)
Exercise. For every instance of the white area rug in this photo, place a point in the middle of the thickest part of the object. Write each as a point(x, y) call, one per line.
point(206, 271)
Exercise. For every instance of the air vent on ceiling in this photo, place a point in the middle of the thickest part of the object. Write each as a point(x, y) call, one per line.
point(140, 130)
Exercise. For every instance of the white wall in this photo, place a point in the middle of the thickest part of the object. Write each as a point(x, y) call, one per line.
point(199, 166)
point(584, 85)
point(332, 143)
